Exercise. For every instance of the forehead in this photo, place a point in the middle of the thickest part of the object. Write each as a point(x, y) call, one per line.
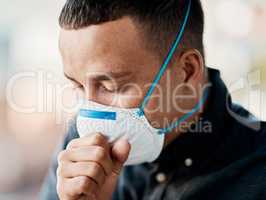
point(101, 36)
point(112, 44)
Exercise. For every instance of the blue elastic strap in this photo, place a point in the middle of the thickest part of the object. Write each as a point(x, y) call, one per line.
point(166, 62)
point(187, 115)
point(97, 114)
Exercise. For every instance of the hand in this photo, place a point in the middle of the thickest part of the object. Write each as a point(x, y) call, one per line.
point(89, 168)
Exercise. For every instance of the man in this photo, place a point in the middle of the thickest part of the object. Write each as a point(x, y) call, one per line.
point(113, 51)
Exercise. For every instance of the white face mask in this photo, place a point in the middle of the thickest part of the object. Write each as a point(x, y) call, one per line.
point(114, 123)
point(146, 142)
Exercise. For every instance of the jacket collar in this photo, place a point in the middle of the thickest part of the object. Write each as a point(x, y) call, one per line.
point(199, 144)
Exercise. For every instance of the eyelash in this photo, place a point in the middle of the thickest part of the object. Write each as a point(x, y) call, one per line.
point(77, 86)
point(102, 87)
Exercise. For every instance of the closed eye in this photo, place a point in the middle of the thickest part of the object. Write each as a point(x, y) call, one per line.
point(75, 83)
point(107, 88)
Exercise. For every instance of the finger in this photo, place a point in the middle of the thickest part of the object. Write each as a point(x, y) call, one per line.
point(88, 154)
point(120, 153)
point(76, 188)
point(92, 140)
point(89, 169)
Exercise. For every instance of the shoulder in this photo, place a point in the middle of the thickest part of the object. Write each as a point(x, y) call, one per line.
point(249, 129)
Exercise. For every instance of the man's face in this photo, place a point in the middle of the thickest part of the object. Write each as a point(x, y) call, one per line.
point(112, 65)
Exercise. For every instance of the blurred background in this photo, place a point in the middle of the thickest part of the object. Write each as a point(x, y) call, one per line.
point(33, 90)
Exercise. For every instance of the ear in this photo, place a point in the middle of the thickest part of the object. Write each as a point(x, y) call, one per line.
point(193, 65)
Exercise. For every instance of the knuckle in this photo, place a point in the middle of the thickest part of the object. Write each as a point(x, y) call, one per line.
point(83, 184)
point(99, 173)
point(100, 153)
point(60, 170)
point(72, 143)
point(60, 189)
point(62, 156)
point(95, 169)
point(98, 138)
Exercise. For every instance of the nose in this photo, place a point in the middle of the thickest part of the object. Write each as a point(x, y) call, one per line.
point(90, 92)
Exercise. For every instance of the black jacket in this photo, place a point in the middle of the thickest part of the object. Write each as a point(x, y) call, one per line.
point(222, 157)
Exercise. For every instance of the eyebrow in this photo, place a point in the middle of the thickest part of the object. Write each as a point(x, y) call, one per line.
point(70, 78)
point(104, 77)
point(111, 75)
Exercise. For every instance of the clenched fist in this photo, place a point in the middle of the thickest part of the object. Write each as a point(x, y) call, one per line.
point(89, 168)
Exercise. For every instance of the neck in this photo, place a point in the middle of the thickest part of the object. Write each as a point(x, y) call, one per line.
point(170, 137)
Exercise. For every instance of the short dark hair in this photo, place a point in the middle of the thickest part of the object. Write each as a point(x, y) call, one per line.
point(161, 19)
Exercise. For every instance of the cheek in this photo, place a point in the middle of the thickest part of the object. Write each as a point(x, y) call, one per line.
point(159, 111)
point(130, 99)
point(131, 95)
point(154, 112)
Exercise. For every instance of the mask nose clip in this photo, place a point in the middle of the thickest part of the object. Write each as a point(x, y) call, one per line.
point(140, 113)
point(94, 114)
